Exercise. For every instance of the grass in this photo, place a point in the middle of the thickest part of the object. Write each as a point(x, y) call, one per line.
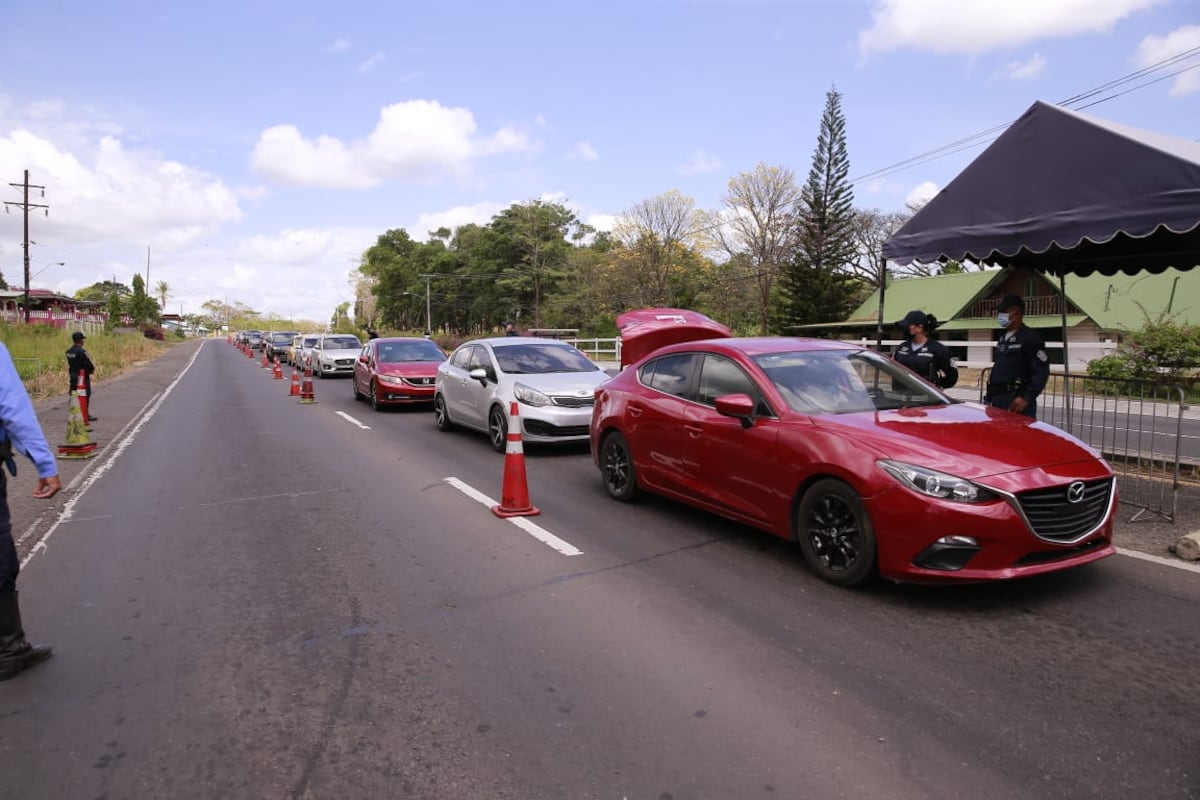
point(39, 352)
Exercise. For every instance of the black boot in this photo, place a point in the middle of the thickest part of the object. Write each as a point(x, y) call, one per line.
point(16, 654)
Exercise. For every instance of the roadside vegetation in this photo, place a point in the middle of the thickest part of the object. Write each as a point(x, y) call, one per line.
point(39, 352)
point(1162, 354)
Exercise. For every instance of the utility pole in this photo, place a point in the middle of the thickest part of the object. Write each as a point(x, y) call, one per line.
point(25, 205)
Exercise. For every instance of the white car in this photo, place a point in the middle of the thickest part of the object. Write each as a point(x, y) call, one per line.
point(553, 382)
point(302, 347)
point(334, 354)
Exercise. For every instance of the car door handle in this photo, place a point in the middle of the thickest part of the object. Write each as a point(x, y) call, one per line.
point(635, 411)
point(693, 430)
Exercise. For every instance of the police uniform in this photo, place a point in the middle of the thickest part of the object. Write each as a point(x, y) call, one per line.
point(930, 360)
point(79, 361)
point(1021, 369)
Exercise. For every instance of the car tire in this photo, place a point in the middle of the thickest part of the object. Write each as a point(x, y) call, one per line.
point(616, 466)
point(835, 533)
point(498, 429)
point(375, 404)
point(354, 383)
point(441, 415)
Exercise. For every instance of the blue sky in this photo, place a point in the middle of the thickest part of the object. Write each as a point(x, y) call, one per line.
point(257, 148)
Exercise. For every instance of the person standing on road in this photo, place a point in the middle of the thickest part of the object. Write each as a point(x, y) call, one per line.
point(1021, 367)
point(510, 329)
point(80, 363)
point(924, 354)
point(20, 432)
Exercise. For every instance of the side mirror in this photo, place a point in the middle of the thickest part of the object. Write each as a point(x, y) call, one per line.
point(739, 406)
point(478, 374)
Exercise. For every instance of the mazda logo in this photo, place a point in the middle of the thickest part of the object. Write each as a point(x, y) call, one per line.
point(1075, 492)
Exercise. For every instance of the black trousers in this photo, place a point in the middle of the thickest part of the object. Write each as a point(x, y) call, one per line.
point(10, 565)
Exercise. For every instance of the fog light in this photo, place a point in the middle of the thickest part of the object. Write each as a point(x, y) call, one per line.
point(958, 541)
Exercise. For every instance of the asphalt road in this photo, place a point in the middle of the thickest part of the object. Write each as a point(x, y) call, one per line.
point(250, 597)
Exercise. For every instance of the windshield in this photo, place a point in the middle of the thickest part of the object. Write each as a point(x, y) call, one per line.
point(401, 352)
point(281, 338)
point(844, 381)
point(309, 341)
point(341, 343)
point(540, 358)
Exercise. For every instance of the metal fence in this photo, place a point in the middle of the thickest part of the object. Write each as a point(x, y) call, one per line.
point(1138, 426)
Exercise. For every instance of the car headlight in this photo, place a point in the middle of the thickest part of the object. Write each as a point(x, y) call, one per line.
point(391, 380)
point(530, 396)
point(932, 483)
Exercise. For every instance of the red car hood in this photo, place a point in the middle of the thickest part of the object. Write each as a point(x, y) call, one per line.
point(646, 329)
point(970, 441)
point(409, 369)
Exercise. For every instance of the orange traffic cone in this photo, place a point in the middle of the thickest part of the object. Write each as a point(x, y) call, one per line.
point(265, 364)
point(514, 495)
point(306, 388)
point(81, 392)
point(295, 390)
point(278, 374)
point(249, 352)
point(78, 445)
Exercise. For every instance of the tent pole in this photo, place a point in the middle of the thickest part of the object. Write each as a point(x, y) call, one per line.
point(1062, 290)
point(882, 289)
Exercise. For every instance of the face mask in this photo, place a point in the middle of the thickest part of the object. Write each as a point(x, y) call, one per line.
point(1002, 320)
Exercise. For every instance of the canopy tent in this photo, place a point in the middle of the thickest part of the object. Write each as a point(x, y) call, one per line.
point(1065, 193)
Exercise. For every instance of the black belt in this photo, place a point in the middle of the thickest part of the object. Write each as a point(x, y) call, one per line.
point(1005, 387)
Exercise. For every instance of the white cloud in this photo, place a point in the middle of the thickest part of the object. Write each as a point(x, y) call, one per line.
point(416, 141)
point(112, 193)
point(583, 150)
point(1154, 49)
point(921, 194)
point(602, 222)
point(376, 58)
point(479, 214)
point(1025, 70)
point(699, 162)
point(952, 26)
point(339, 45)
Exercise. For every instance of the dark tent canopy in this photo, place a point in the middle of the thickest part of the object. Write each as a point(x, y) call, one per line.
point(1065, 193)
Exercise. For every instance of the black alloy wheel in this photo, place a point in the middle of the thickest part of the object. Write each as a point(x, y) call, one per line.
point(354, 383)
point(498, 429)
point(836, 534)
point(441, 417)
point(616, 466)
point(375, 404)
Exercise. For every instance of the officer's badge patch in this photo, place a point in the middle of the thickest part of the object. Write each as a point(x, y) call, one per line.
point(1042, 355)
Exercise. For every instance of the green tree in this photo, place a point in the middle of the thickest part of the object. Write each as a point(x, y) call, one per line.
point(163, 291)
point(141, 308)
point(532, 248)
point(817, 286)
point(103, 291)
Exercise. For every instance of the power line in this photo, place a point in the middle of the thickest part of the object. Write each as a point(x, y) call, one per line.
point(974, 140)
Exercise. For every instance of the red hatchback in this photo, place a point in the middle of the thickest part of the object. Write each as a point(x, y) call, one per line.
point(397, 371)
point(871, 469)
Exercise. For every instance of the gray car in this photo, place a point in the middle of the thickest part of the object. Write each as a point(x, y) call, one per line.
point(553, 383)
point(334, 354)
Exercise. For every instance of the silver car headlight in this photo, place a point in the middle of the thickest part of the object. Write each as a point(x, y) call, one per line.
point(530, 396)
point(932, 483)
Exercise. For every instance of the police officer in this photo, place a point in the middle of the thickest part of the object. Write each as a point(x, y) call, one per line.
point(20, 432)
point(509, 328)
point(923, 354)
point(1021, 366)
point(79, 362)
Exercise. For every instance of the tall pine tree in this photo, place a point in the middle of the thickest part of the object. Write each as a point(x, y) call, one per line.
point(816, 286)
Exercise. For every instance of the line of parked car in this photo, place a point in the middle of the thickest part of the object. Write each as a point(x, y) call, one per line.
point(873, 470)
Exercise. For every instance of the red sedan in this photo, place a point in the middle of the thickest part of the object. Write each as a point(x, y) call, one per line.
point(871, 469)
point(397, 371)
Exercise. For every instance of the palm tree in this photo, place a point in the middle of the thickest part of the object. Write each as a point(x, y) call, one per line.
point(162, 290)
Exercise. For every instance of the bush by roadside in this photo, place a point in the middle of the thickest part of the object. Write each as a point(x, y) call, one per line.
point(39, 352)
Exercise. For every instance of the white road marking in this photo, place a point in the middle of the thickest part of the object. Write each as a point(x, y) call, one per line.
point(536, 531)
point(352, 420)
point(122, 441)
point(1165, 562)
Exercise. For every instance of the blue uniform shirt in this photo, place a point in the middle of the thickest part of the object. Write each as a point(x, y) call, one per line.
point(19, 423)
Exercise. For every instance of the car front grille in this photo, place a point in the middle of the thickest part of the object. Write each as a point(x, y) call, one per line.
point(1055, 518)
point(535, 427)
point(344, 362)
point(419, 381)
point(574, 402)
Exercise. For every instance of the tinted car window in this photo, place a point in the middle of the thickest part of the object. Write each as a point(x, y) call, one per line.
point(340, 343)
point(719, 376)
point(542, 358)
point(481, 360)
point(401, 352)
point(462, 357)
point(669, 374)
